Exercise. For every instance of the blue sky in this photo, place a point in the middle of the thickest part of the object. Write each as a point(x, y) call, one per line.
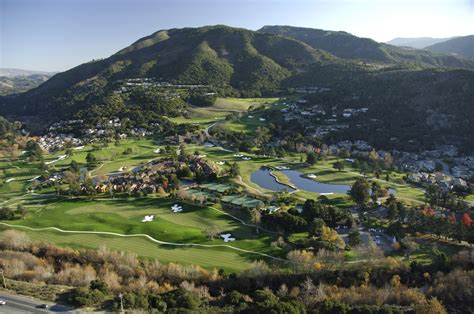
point(55, 35)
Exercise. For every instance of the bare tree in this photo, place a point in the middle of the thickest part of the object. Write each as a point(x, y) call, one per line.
point(410, 245)
point(255, 218)
point(15, 240)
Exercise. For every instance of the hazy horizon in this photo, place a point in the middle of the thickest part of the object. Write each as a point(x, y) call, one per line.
point(54, 35)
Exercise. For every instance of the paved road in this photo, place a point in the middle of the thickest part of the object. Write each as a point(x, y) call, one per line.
point(206, 130)
point(21, 304)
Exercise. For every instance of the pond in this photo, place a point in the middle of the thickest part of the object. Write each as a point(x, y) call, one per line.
point(310, 185)
point(264, 179)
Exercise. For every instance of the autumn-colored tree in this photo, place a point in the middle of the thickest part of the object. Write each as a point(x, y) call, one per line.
point(428, 212)
point(373, 155)
point(466, 220)
point(331, 237)
point(300, 260)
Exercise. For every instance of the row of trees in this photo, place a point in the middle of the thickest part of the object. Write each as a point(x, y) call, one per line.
point(315, 284)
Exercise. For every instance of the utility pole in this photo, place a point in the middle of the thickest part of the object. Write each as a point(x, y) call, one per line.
point(4, 283)
point(121, 302)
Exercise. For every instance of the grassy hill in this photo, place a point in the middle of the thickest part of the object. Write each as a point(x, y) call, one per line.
point(245, 63)
point(345, 45)
point(19, 84)
point(249, 62)
point(463, 46)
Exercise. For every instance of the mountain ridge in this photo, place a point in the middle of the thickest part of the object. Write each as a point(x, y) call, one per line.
point(233, 61)
point(346, 45)
point(463, 46)
point(416, 42)
point(14, 72)
point(216, 55)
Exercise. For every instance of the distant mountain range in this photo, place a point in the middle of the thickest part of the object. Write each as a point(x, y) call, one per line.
point(14, 81)
point(463, 46)
point(416, 42)
point(10, 73)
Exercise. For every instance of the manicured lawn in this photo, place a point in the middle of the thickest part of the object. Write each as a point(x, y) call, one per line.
point(206, 257)
point(19, 172)
point(124, 217)
point(250, 121)
point(241, 104)
point(222, 108)
point(282, 178)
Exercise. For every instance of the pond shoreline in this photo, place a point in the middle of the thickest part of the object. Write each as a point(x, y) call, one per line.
point(266, 178)
point(278, 180)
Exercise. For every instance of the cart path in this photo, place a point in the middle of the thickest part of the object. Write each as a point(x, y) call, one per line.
point(145, 236)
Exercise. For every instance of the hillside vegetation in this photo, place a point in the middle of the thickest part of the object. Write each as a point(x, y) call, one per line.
point(463, 46)
point(246, 62)
point(19, 84)
point(243, 63)
point(345, 45)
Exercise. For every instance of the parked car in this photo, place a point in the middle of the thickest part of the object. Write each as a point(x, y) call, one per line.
point(44, 306)
point(2, 302)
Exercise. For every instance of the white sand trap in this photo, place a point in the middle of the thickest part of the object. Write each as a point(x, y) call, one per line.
point(62, 157)
point(148, 218)
point(330, 193)
point(34, 178)
point(311, 176)
point(227, 237)
point(176, 208)
point(262, 119)
point(78, 147)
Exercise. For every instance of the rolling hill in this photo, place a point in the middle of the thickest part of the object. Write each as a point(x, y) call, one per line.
point(10, 72)
point(345, 45)
point(416, 42)
point(13, 81)
point(462, 46)
point(248, 62)
point(22, 83)
point(240, 62)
